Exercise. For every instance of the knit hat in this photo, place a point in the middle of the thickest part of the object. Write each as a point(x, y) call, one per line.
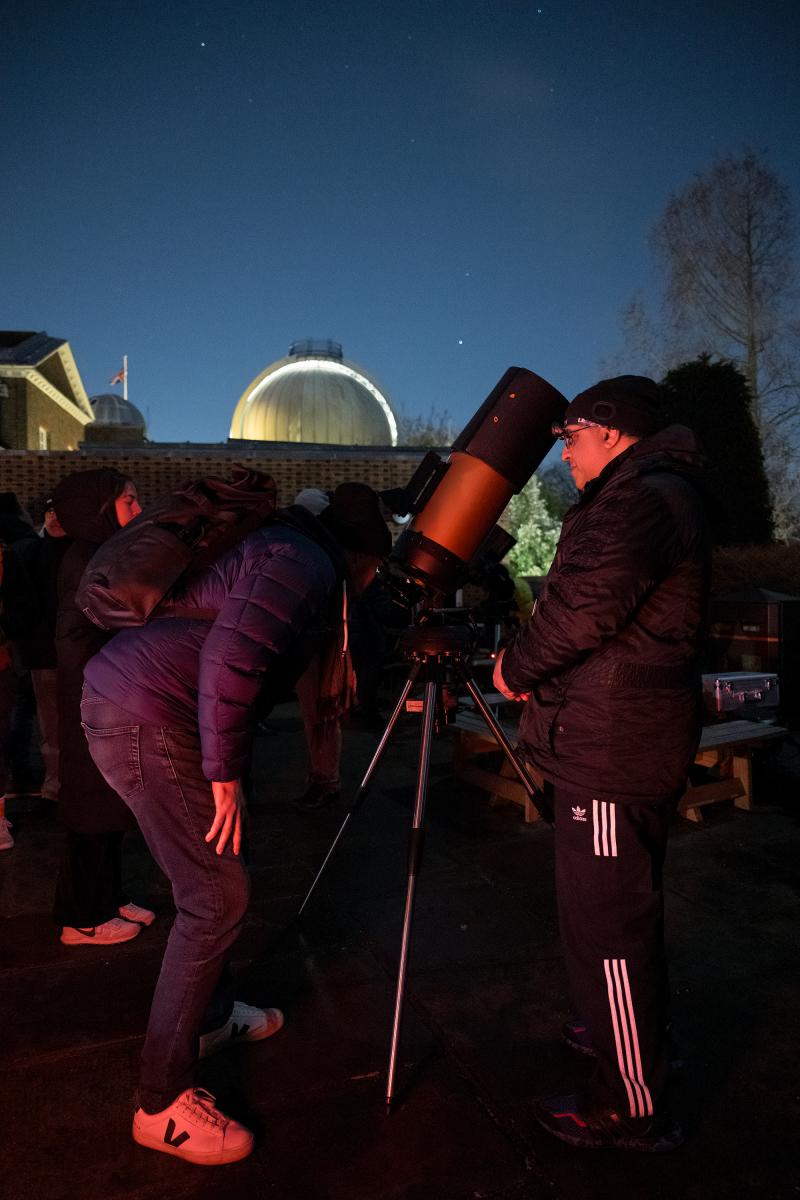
point(312, 499)
point(630, 403)
point(354, 518)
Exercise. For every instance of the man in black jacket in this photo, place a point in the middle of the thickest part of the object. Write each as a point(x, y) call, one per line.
point(609, 667)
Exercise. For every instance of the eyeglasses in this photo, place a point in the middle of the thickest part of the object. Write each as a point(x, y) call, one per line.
point(567, 436)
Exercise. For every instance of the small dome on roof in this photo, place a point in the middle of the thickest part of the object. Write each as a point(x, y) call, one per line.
point(113, 410)
point(314, 395)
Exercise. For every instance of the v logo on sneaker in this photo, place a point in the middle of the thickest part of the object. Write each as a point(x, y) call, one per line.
point(238, 1031)
point(174, 1141)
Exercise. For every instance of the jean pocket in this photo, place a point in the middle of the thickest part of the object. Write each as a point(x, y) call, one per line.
point(115, 751)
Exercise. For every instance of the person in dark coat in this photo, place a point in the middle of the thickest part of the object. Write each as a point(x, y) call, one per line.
point(17, 703)
point(168, 710)
point(16, 692)
point(609, 666)
point(32, 609)
point(90, 902)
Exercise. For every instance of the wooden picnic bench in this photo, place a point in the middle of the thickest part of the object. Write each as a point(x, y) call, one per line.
point(727, 748)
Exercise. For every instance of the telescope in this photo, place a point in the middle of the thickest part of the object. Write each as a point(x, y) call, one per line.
point(455, 503)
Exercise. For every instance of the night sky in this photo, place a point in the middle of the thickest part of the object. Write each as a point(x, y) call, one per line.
point(446, 187)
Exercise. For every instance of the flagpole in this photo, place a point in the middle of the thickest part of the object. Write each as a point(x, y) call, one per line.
point(125, 377)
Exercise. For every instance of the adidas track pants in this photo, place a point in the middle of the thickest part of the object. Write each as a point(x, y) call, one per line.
point(609, 860)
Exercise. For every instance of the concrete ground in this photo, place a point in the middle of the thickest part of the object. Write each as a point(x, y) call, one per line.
point(486, 996)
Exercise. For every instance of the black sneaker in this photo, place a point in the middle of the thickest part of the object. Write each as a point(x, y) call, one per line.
point(577, 1036)
point(317, 795)
point(566, 1118)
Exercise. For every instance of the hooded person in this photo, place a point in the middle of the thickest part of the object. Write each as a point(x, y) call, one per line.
point(352, 514)
point(17, 704)
point(31, 608)
point(90, 903)
point(168, 711)
point(609, 666)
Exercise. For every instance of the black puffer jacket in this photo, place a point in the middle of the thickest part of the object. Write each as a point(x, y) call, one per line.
point(610, 656)
point(84, 502)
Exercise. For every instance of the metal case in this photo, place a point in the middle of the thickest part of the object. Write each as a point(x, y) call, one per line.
point(735, 691)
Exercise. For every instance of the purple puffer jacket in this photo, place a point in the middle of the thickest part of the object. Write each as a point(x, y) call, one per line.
point(184, 673)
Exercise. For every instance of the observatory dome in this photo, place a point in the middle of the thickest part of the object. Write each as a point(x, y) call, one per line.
point(115, 420)
point(315, 395)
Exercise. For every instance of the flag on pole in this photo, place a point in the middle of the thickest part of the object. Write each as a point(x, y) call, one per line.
point(122, 377)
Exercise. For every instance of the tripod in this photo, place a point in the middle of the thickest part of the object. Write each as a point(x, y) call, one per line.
point(431, 650)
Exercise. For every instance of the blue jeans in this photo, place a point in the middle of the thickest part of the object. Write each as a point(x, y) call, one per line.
point(157, 772)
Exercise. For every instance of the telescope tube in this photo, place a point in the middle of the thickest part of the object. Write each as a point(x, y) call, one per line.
point(492, 458)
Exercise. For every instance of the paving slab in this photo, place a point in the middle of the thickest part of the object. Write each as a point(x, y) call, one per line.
point(485, 998)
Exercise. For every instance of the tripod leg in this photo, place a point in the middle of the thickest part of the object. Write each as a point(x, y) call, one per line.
point(414, 863)
point(501, 739)
point(393, 719)
point(361, 792)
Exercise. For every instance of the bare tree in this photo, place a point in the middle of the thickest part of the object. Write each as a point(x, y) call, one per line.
point(784, 478)
point(726, 242)
point(435, 430)
point(645, 349)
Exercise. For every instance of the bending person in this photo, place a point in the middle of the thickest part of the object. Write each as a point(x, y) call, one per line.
point(168, 710)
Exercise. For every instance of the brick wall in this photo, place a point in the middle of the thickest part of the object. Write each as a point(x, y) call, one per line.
point(158, 469)
point(25, 409)
point(12, 413)
point(62, 429)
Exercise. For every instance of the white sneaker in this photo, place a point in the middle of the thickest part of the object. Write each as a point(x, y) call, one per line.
point(6, 840)
point(245, 1024)
point(192, 1128)
point(107, 934)
point(137, 914)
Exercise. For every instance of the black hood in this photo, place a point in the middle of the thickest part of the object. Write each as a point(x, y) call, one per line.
point(676, 445)
point(14, 529)
point(299, 518)
point(84, 503)
point(675, 448)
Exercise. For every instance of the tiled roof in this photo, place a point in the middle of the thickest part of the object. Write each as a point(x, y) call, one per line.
point(26, 349)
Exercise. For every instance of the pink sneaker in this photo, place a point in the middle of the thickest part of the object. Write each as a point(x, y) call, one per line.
point(6, 840)
point(194, 1129)
point(107, 934)
point(137, 914)
point(245, 1024)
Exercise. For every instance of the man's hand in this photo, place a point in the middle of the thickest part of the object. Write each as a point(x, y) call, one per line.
point(230, 804)
point(500, 683)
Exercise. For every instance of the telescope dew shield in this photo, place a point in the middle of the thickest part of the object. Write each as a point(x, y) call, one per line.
point(509, 432)
point(492, 458)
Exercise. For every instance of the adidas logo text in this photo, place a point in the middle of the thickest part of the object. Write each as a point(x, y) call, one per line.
point(578, 814)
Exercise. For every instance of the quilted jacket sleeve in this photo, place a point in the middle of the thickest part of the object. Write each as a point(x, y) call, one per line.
point(606, 565)
point(273, 597)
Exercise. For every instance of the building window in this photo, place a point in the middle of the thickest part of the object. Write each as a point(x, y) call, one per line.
point(44, 438)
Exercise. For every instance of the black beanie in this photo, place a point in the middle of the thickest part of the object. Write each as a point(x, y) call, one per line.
point(355, 520)
point(630, 403)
